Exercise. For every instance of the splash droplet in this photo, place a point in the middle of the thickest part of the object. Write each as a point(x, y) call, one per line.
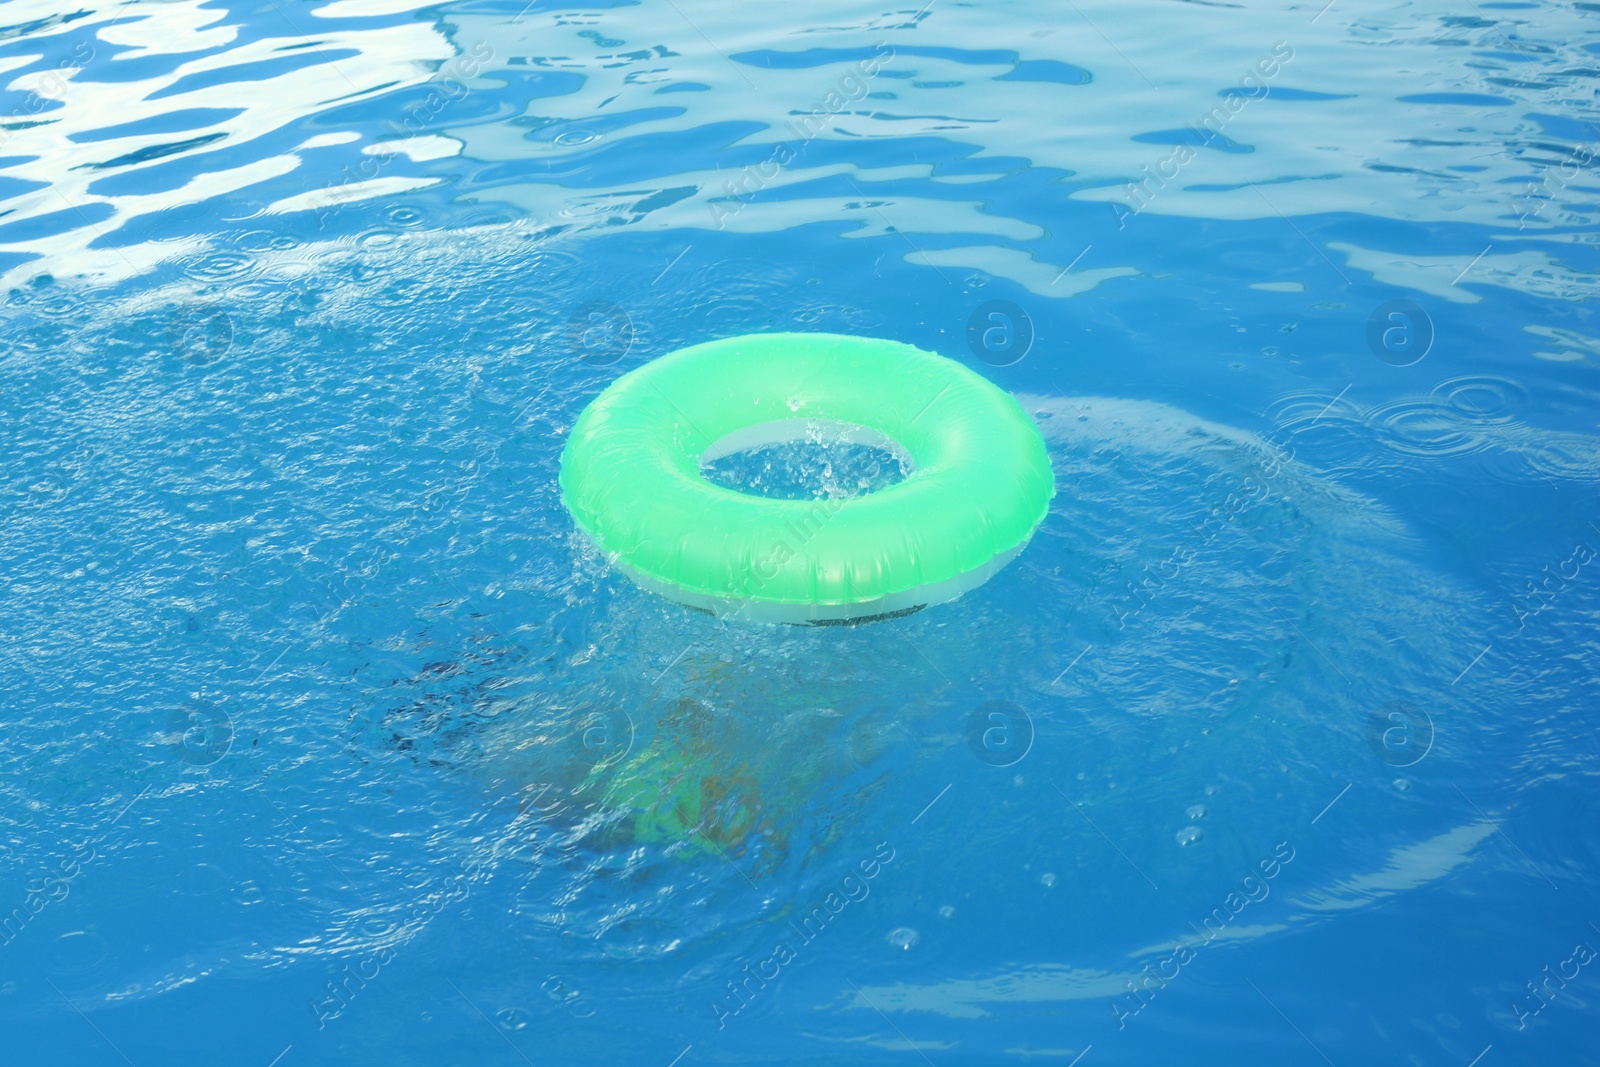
point(904, 938)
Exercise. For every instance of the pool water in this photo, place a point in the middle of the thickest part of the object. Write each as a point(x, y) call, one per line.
point(330, 740)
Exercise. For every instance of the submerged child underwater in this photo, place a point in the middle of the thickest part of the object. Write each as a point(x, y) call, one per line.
point(731, 760)
point(1182, 619)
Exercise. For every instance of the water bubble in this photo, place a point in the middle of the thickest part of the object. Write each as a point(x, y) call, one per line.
point(557, 988)
point(1196, 811)
point(1401, 784)
point(946, 912)
point(78, 951)
point(510, 1019)
point(1211, 790)
point(1189, 835)
point(904, 938)
point(199, 880)
point(1048, 880)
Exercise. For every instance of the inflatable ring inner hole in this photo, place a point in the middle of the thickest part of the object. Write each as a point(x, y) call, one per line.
point(806, 458)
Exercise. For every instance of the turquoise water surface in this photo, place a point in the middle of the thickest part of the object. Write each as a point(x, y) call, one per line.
point(331, 741)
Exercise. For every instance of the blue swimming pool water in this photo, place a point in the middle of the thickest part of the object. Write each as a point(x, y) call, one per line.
point(330, 742)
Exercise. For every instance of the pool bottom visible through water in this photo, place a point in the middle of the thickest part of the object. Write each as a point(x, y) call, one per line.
point(809, 462)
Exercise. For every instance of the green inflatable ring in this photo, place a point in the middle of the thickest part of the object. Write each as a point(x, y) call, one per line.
point(979, 486)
